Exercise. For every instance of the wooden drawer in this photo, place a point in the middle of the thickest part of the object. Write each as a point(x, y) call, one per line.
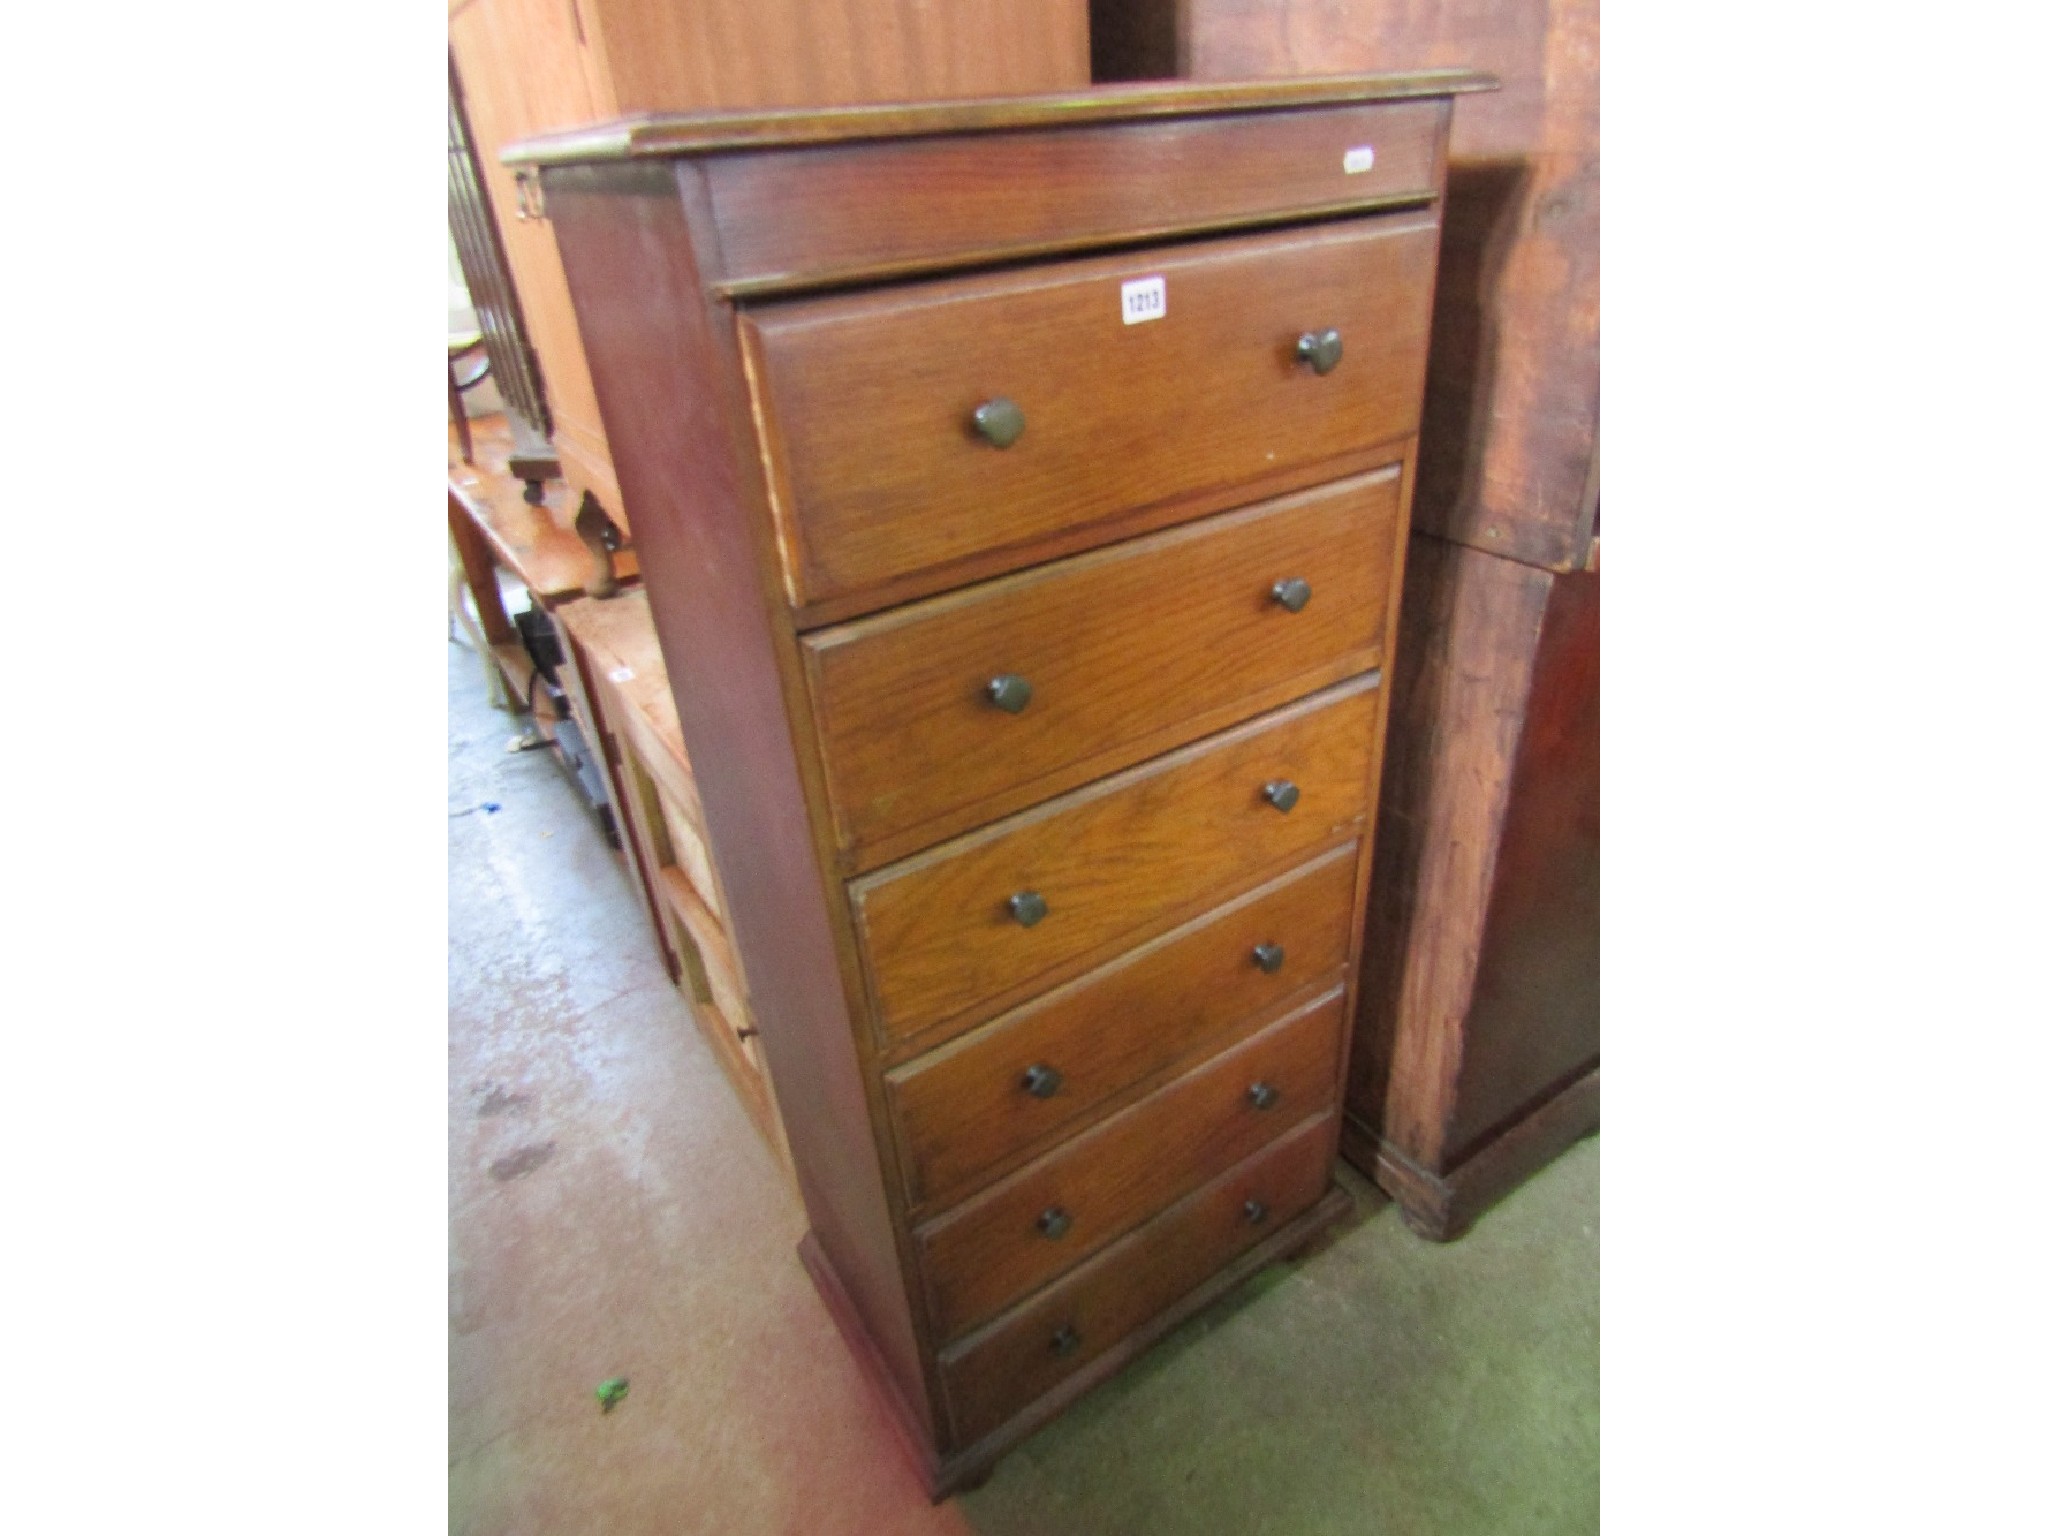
point(871, 208)
point(1052, 1214)
point(868, 401)
point(940, 931)
point(1026, 1354)
point(1126, 652)
point(969, 1108)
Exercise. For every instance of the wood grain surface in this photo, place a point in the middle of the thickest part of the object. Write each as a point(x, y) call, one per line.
point(963, 1111)
point(1159, 839)
point(988, 1252)
point(1007, 1365)
point(874, 212)
point(1129, 651)
point(869, 400)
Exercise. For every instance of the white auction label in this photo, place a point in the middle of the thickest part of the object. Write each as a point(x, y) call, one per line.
point(1356, 160)
point(1144, 299)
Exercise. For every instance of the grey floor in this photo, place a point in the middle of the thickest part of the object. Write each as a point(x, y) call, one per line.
point(612, 1212)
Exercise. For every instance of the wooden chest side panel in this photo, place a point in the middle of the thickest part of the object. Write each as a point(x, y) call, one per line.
point(667, 373)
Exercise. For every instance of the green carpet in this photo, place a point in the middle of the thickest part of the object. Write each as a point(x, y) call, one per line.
point(1380, 1384)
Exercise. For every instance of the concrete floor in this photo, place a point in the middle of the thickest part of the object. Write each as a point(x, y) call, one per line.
point(613, 1212)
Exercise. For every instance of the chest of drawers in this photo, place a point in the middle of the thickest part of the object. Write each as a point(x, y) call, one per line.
point(1021, 489)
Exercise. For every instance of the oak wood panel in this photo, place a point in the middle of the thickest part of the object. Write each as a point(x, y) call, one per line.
point(660, 56)
point(1133, 523)
point(668, 371)
point(1129, 651)
point(963, 1112)
point(920, 204)
point(869, 398)
point(990, 1251)
point(1514, 374)
point(998, 1371)
point(1156, 839)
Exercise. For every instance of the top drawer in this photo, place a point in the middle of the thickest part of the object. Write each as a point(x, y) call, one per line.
point(869, 402)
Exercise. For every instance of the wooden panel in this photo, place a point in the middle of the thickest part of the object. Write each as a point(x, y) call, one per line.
point(1534, 1020)
point(872, 210)
point(963, 1110)
point(668, 370)
point(871, 398)
point(1108, 860)
point(1514, 372)
point(983, 1256)
point(1469, 627)
point(998, 1371)
point(665, 57)
point(1121, 649)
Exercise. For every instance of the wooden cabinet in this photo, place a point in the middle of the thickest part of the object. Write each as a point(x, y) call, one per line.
point(1021, 505)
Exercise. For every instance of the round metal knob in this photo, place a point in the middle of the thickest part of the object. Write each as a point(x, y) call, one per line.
point(1292, 594)
point(1281, 794)
point(1263, 1095)
point(1254, 1211)
point(1268, 957)
point(1066, 1341)
point(1001, 422)
point(1027, 907)
point(1009, 693)
point(1321, 350)
point(1054, 1222)
point(1042, 1082)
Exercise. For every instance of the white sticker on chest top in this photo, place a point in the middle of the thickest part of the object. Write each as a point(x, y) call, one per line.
point(1144, 299)
point(1356, 160)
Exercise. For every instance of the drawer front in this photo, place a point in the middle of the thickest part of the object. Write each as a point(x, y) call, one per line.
point(1009, 1241)
point(982, 1100)
point(1110, 658)
point(981, 922)
point(971, 198)
point(870, 400)
point(1025, 1355)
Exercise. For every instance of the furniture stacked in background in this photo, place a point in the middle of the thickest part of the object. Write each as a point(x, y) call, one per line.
point(1477, 1053)
point(610, 719)
point(1028, 607)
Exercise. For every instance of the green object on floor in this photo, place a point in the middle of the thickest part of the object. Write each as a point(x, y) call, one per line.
point(611, 1392)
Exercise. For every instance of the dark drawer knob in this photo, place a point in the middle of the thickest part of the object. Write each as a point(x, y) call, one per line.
point(1263, 1095)
point(1054, 1222)
point(1065, 1342)
point(1027, 907)
point(1255, 1211)
point(1042, 1082)
point(1268, 957)
point(1281, 794)
point(1001, 423)
point(1321, 350)
point(1009, 693)
point(1292, 594)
